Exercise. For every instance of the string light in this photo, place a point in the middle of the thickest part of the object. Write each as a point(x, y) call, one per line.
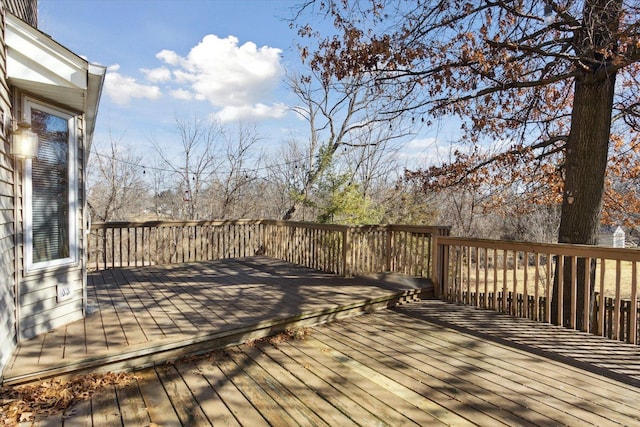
point(144, 168)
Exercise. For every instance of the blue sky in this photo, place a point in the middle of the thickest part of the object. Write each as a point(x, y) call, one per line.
point(171, 59)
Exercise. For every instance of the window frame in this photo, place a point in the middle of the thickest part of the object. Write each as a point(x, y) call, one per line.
point(72, 123)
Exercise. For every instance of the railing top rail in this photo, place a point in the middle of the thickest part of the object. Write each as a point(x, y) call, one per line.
point(439, 229)
point(583, 251)
point(306, 224)
point(170, 223)
point(417, 229)
point(427, 229)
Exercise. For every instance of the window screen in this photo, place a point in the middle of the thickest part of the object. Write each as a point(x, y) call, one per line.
point(50, 188)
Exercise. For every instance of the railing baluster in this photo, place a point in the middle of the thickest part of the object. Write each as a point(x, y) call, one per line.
point(536, 287)
point(616, 304)
point(495, 280)
point(633, 309)
point(586, 309)
point(601, 299)
point(574, 292)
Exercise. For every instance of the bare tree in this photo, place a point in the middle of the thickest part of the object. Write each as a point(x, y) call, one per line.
point(196, 162)
point(239, 163)
point(341, 115)
point(165, 198)
point(116, 188)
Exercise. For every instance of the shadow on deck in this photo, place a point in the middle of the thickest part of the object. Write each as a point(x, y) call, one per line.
point(138, 317)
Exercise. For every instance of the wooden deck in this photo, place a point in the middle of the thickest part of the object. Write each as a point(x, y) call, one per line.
point(423, 363)
point(141, 316)
point(398, 367)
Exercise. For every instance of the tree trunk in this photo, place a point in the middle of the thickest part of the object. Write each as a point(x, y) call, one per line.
point(586, 152)
point(585, 167)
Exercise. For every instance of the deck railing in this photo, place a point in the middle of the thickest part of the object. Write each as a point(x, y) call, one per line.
point(339, 249)
point(517, 278)
point(511, 277)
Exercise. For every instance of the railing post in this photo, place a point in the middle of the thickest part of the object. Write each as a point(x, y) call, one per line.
point(436, 268)
point(388, 251)
point(346, 251)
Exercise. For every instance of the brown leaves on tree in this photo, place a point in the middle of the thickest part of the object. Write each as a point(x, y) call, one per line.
point(508, 70)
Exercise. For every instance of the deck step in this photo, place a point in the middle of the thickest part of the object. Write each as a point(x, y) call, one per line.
point(170, 349)
point(425, 285)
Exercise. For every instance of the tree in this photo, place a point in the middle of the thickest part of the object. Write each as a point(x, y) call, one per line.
point(548, 77)
point(340, 115)
point(196, 163)
point(229, 191)
point(342, 201)
point(116, 186)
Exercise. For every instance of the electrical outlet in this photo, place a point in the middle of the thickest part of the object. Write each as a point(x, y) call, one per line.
point(64, 292)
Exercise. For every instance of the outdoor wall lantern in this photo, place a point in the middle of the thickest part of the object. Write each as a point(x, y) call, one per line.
point(25, 142)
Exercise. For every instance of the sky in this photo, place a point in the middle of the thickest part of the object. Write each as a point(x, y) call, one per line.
point(176, 59)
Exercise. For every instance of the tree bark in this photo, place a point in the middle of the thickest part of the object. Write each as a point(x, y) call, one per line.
point(586, 152)
point(585, 166)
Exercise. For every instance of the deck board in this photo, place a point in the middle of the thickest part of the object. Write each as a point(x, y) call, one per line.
point(421, 363)
point(132, 407)
point(183, 401)
point(158, 404)
point(390, 367)
point(133, 309)
point(210, 402)
point(242, 409)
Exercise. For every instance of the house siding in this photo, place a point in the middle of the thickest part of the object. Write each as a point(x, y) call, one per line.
point(29, 302)
point(39, 308)
point(8, 313)
point(27, 10)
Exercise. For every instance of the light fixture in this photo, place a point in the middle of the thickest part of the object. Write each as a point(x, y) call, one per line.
point(25, 142)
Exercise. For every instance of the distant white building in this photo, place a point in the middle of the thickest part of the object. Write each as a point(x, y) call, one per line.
point(619, 238)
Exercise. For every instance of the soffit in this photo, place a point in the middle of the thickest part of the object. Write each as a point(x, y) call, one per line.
point(38, 64)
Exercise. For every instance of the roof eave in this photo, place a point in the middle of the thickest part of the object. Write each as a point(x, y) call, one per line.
point(41, 66)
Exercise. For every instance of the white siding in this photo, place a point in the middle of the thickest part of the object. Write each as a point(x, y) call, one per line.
point(40, 311)
point(7, 188)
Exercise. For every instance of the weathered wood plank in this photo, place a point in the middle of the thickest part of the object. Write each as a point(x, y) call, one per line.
point(153, 311)
point(79, 415)
point(75, 343)
point(287, 401)
point(479, 398)
point(583, 390)
point(104, 408)
point(387, 406)
point(242, 409)
point(367, 366)
point(158, 404)
point(132, 406)
point(210, 402)
point(261, 400)
point(187, 408)
point(52, 347)
point(298, 387)
point(299, 365)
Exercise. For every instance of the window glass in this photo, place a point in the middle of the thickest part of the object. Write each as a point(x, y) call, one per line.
point(50, 188)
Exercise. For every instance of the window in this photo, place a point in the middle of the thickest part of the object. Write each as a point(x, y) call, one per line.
point(50, 189)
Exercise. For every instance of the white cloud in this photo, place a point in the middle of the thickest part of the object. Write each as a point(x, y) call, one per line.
point(157, 75)
point(169, 57)
point(239, 79)
point(420, 143)
point(428, 151)
point(182, 94)
point(256, 111)
point(122, 89)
